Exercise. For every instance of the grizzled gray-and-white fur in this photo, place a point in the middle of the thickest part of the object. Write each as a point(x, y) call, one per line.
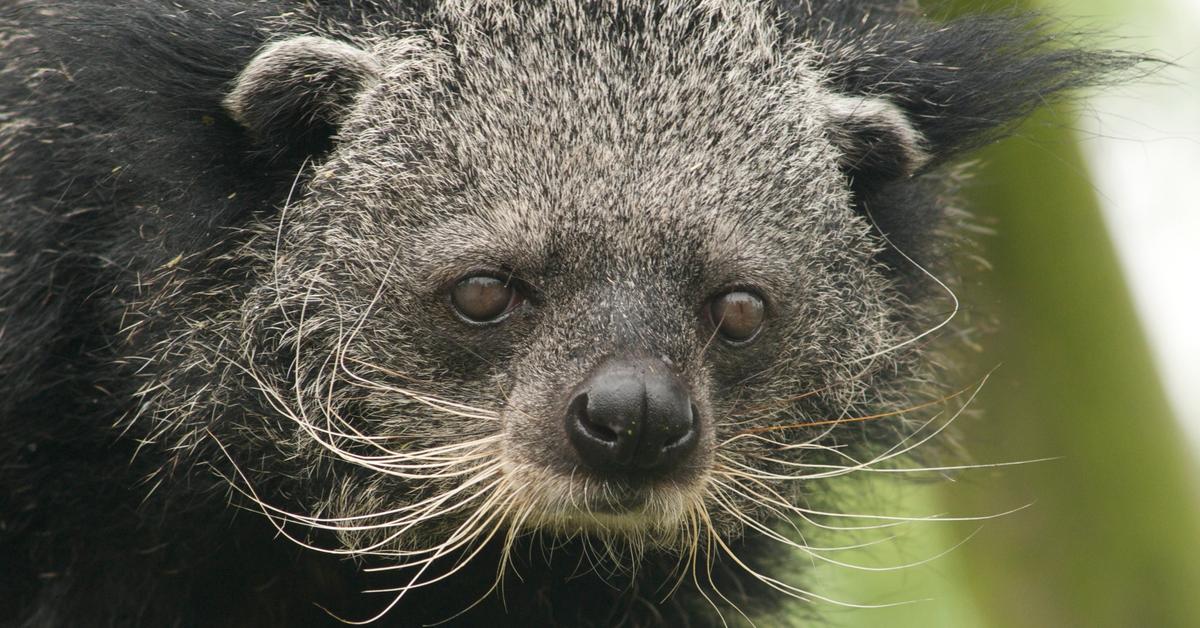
point(555, 312)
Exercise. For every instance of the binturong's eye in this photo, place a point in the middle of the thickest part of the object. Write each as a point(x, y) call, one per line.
point(484, 298)
point(737, 315)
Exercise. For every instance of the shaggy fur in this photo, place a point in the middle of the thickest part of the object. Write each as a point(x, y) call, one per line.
point(230, 380)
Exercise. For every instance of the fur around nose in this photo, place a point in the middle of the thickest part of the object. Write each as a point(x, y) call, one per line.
point(632, 416)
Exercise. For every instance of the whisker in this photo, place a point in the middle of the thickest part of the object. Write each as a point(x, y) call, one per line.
point(953, 297)
point(870, 469)
point(859, 419)
point(791, 590)
point(772, 534)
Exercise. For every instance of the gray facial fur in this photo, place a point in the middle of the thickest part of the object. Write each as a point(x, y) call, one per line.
point(622, 200)
point(230, 233)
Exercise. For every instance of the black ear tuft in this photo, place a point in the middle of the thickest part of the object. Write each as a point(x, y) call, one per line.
point(293, 94)
point(876, 139)
point(962, 83)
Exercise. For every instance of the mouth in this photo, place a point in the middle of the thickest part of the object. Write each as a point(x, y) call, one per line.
point(581, 502)
point(618, 499)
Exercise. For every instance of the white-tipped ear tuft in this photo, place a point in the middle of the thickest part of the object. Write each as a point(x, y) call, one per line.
point(294, 93)
point(876, 137)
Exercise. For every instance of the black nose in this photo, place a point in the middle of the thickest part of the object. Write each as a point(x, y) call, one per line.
point(633, 416)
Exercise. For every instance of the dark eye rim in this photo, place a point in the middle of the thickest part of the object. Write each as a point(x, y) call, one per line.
point(520, 294)
point(756, 291)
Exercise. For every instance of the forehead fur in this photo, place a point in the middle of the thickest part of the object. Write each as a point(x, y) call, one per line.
point(694, 118)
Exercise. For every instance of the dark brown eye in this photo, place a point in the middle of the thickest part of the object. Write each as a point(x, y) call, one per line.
point(738, 315)
point(483, 298)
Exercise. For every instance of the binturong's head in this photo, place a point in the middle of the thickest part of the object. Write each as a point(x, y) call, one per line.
point(641, 275)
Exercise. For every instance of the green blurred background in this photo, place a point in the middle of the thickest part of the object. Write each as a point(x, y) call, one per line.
point(1112, 535)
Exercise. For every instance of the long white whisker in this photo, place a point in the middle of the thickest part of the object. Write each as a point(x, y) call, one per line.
point(939, 282)
point(792, 590)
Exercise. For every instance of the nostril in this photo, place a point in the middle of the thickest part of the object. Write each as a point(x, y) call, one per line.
point(579, 412)
point(690, 431)
point(600, 432)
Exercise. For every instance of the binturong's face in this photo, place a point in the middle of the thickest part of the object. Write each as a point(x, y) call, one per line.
point(589, 280)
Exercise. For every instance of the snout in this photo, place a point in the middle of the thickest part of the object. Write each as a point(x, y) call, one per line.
point(633, 418)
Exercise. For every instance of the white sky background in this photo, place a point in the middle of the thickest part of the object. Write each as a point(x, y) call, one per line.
point(1142, 144)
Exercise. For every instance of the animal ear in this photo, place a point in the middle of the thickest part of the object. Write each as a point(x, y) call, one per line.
point(960, 83)
point(876, 139)
point(293, 95)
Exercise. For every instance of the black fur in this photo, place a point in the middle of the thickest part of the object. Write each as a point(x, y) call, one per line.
point(964, 84)
point(118, 160)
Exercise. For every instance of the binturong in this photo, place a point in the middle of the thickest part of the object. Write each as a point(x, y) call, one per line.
point(539, 313)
